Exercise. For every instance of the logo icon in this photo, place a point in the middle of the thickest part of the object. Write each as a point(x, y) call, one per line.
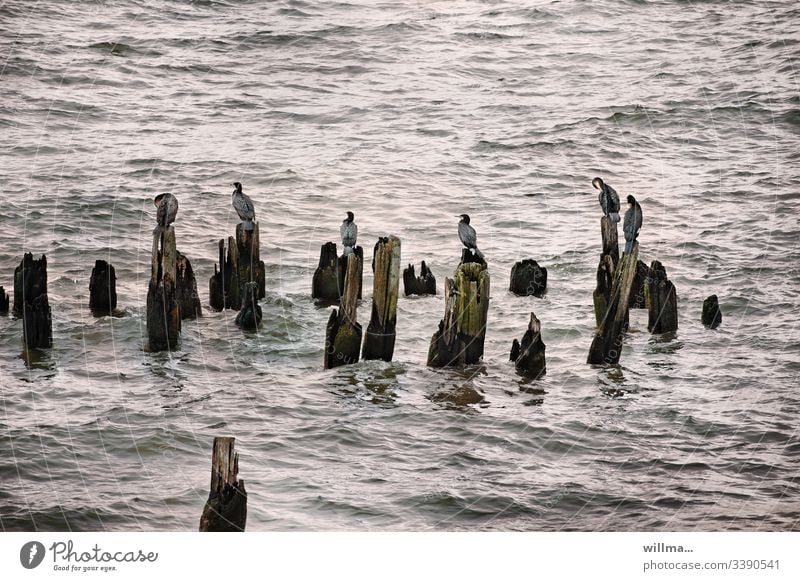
point(31, 554)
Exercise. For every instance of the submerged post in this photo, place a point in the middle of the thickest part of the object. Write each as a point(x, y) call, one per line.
point(250, 315)
point(528, 355)
point(460, 337)
point(662, 301)
point(638, 299)
point(528, 278)
point(163, 310)
point(102, 289)
point(343, 332)
point(424, 284)
point(31, 302)
point(226, 507)
point(4, 301)
point(711, 317)
point(380, 337)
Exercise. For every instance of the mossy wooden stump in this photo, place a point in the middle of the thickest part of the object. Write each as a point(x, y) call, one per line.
point(31, 303)
point(460, 337)
point(102, 289)
point(606, 345)
point(343, 332)
point(4, 301)
point(528, 355)
point(424, 284)
point(608, 232)
point(329, 277)
point(528, 279)
point(163, 309)
point(250, 315)
point(238, 265)
point(711, 317)
point(381, 334)
point(226, 508)
point(662, 301)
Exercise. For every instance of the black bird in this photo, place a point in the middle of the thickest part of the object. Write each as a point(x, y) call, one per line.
point(349, 232)
point(243, 206)
point(609, 200)
point(468, 236)
point(167, 205)
point(632, 223)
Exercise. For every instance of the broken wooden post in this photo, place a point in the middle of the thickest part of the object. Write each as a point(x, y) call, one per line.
point(4, 301)
point(712, 315)
point(528, 278)
point(662, 301)
point(344, 266)
point(31, 303)
point(163, 310)
point(238, 266)
point(343, 332)
point(424, 284)
point(325, 283)
point(225, 510)
point(186, 288)
point(460, 337)
point(638, 299)
point(605, 283)
point(608, 231)
point(528, 355)
point(102, 289)
point(380, 337)
point(607, 342)
point(249, 316)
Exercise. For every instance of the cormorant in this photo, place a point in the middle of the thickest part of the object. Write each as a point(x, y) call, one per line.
point(468, 236)
point(349, 232)
point(243, 206)
point(167, 205)
point(609, 200)
point(632, 223)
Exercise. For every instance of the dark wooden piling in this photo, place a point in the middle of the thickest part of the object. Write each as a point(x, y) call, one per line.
point(711, 317)
point(608, 231)
point(163, 309)
point(605, 284)
point(343, 332)
point(638, 298)
point(249, 316)
point(460, 337)
point(344, 265)
point(528, 356)
point(238, 265)
point(662, 301)
point(102, 289)
point(325, 283)
point(380, 337)
point(528, 278)
point(31, 302)
point(424, 284)
point(186, 288)
point(225, 510)
point(4, 301)
point(606, 345)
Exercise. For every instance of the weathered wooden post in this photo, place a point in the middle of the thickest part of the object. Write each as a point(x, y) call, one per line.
point(4, 301)
point(528, 278)
point(163, 310)
point(249, 316)
point(102, 289)
point(711, 317)
point(31, 303)
point(240, 265)
point(460, 337)
point(225, 510)
point(528, 355)
point(607, 342)
point(380, 337)
point(638, 298)
point(424, 284)
point(343, 332)
point(662, 301)
point(325, 283)
point(608, 231)
point(344, 265)
point(605, 283)
point(186, 288)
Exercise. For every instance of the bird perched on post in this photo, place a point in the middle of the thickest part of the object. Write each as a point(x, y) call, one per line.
point(468, 236)
point(349, 232)
point(609, 200)
point(167, 209)
point(243, 206)
point(632, 223)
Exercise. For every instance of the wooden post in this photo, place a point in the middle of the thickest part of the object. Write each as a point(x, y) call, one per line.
point(528, 278)
point(424, 284)
point(240, 265)
point(662, 301)
point(460, 337)
point(325, 284)
point(608, 231)
point(186, 288)
point(607, 342)
point(249, 316)
point(4, 301)
point(380, 337)
point(226, 508)
point(102, 289)
point(605, 283)
point(344, 265)
point(529, 355)
point(163, 310)
point(31, 303)
point(711, 317)
point(638, 298)
point(343, 332)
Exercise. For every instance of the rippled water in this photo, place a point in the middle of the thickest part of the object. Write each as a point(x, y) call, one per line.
point(407, 113)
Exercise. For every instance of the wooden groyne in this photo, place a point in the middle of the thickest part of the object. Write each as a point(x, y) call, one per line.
point(380, 337)
point(31, 303)
point(226, 507)
point(102, 289)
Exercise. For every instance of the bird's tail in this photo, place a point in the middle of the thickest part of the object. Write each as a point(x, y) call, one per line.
point(614, 216)
point(348, 250)
point(478, 253)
